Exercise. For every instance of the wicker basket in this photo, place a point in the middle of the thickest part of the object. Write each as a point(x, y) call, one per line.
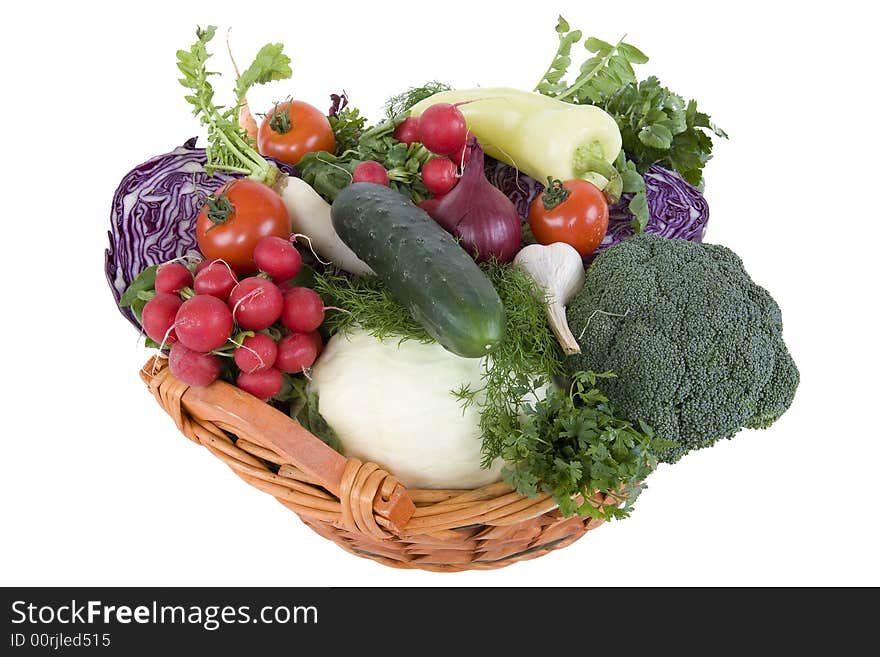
point(359, 506)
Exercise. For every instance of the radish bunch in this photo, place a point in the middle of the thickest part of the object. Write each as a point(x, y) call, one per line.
point(265, 326)
point(441, 129)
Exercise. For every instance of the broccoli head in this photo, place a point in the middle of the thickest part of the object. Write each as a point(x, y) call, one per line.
point(696, 345)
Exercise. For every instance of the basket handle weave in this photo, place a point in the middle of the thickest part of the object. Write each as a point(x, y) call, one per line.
point(363, 489)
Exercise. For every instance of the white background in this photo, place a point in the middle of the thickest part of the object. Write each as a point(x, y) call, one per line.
point(98, 488)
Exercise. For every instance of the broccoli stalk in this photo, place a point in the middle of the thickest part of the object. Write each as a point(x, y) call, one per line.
point(696, 345)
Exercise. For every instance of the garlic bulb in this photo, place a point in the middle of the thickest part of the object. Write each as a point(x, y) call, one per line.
point(559, 271)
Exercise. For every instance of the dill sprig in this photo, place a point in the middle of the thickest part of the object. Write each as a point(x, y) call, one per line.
point(526, 360)
point(400, 103)
point(365, 302)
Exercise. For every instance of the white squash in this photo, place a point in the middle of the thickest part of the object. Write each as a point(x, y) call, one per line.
point(390, 402)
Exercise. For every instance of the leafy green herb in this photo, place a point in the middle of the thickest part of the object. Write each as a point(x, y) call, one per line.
point(527, 359)
point(400, 104)
point(348, 126)
point(144, 282)
point(269, 65)
point(571, 445)
point(139, 291)
point(657, 125)
point(229, 148)
point(302, 406)
point(365, 302)
point(328, 174)
point(633, 183)
point(568, 443)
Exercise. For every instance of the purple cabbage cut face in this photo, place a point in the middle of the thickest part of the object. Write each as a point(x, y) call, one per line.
point(676, 208)
point(154, 211)
point(518, 187)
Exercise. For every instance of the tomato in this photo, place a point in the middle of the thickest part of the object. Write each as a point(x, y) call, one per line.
point(574, 212)
point(293, 129)
point(242, 212)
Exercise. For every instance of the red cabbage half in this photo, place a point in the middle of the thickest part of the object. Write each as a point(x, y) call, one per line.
point(676, 208)
point(154, 211)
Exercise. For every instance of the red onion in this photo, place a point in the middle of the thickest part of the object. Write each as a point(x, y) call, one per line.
point(479, 214)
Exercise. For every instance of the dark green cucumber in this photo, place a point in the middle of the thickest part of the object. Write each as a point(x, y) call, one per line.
point(422, 266)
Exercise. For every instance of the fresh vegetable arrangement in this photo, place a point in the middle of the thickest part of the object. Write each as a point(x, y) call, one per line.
point(487, 285)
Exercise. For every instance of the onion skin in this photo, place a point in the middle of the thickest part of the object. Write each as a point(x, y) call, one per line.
point(480, 215)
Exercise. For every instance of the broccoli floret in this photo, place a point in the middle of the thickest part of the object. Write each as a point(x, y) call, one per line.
point(696, 345)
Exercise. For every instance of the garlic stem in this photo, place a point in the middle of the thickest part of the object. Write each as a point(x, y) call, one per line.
point(559, 325)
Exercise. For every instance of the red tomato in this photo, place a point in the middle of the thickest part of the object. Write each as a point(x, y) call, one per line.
point(293, 129)
point(239, 215)
point(579, 217)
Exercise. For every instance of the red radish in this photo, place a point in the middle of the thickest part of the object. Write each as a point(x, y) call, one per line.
point(172, 277)
point(463, 154)
point(278, 258)
point(216, 278)
point(264, 384)
point(296, 352)
point(256, 303)
point(319, 342)
point(202, 264)
point(303, 310)
point(370, 171)
point(408, 130)
point(158, 317)
point(257, 352)
point(193, 367)
point(442, 129)
point(203, 323)
point(439, 175)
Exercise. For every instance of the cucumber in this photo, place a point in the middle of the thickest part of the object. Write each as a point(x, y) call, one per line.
point(422, 266)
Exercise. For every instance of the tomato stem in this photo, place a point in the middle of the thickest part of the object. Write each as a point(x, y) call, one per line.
point(279, 122)
point(555, 193)
point(219, 209)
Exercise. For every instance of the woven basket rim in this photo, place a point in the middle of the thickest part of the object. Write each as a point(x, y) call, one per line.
point(360, 506)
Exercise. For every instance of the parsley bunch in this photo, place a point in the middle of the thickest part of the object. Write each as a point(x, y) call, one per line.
point(346, 122)
point(572, 446)
point(657, 125)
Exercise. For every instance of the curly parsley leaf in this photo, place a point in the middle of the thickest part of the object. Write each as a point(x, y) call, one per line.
point(348, 126)
point(659, 127)
point(572, 446)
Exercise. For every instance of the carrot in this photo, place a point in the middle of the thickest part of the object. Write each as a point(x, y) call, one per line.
point(246, 120)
